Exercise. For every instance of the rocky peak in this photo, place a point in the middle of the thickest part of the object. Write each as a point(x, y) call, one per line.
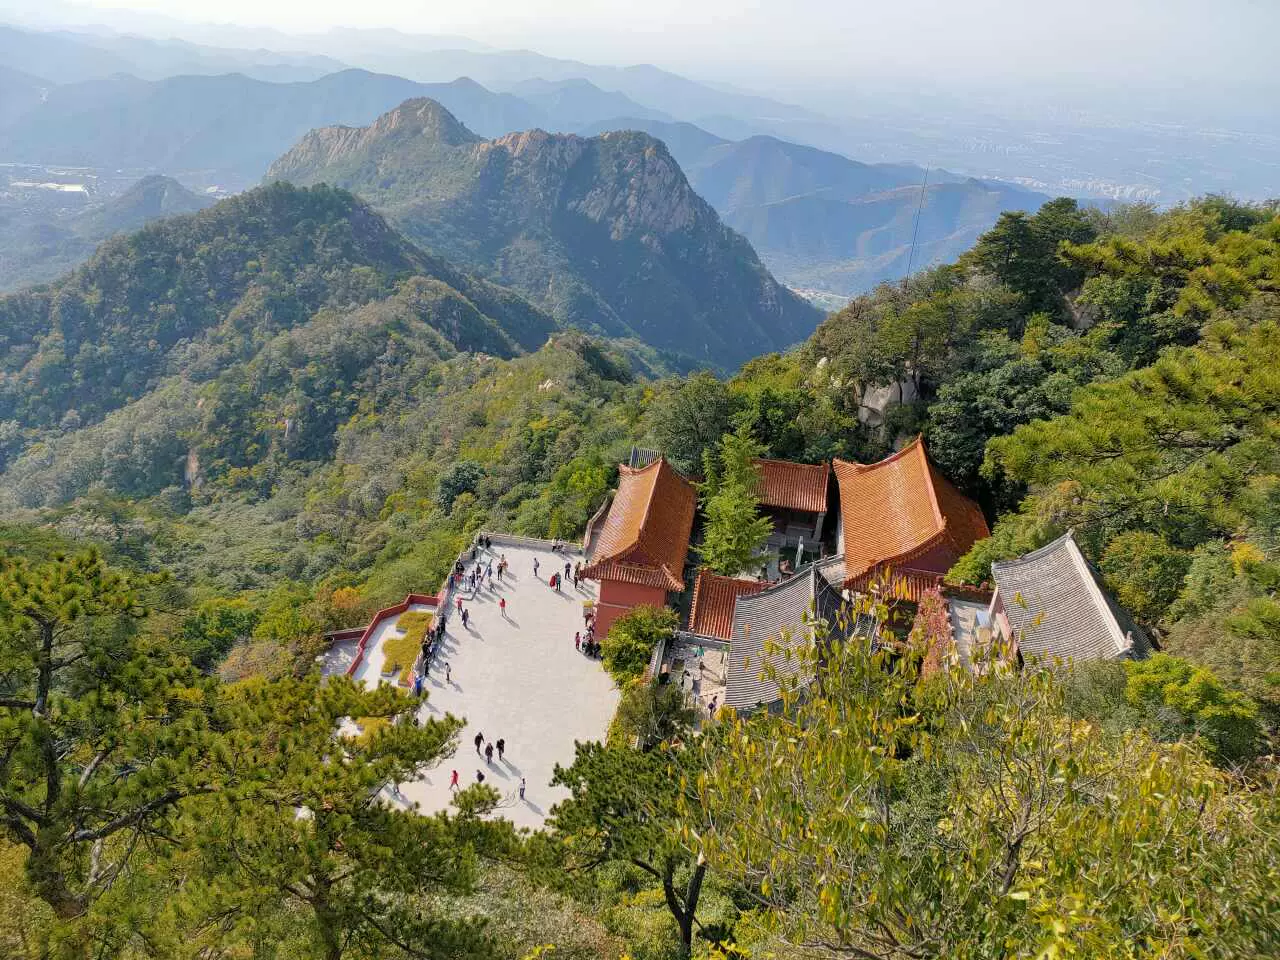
point(421, 117)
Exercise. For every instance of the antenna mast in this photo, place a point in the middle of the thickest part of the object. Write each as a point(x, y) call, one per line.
point(915, 230)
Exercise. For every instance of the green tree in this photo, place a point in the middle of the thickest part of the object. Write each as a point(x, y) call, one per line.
point(629, 644)
point(994, 825)
point(1226, 719)
point(1022, 252)
point(653, 712)
point(622, 809)
point(316, 823)
point(1145, 572)
point(101, 734)
point(215, 626)
point(735, 529)
point(461, 477)
point(688, 418)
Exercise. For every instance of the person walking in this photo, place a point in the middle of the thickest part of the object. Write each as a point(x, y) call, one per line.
point(448, 674)
point(577, 641)
point(711, 708)
point(522, 788)
point(457, 602)
point(567, 568)
point(479, 776)
point(453, 781)
point(502, 746)
point(488, 753)
point(466, 619)
point(535, 567)
point(479, 740)
point(502, 606)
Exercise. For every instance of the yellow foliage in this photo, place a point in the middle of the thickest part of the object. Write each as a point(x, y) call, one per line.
point(401, 650)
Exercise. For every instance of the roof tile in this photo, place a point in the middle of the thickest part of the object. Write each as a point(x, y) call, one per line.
point(1058, 609)
point(711, 614)
point(900, 508)
point(794, 486)
point(647, 526)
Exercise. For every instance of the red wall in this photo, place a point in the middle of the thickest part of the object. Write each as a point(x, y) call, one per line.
point(939, 559)
point(617, 598)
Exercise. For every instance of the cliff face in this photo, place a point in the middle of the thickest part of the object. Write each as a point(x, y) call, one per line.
point(605, 232)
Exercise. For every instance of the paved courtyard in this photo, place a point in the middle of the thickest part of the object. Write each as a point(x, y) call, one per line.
point(516, 677)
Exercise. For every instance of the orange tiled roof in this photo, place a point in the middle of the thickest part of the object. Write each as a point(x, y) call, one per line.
point(895, 583)
point(793, 486)
point(711, 614)
point(645, 536)
point(893, 511)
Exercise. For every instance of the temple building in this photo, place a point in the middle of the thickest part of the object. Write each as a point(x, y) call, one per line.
point(794, 497)
point(782, 618)
point(902, 521)
point(1051, 605)
point(637, 551)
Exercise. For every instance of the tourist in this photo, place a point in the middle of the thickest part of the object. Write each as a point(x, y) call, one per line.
point(502, 745)
point(417, 683)
point(568, 568)
point(448, 674)
point(479, 740)
point(577, 641)
point(479, 776)
point(466, 619)
point(535, 567)
point(488, 753)
point(457, 602)
point(502, 606)
point(453, 781)
point(522, 788)
point(711, 708)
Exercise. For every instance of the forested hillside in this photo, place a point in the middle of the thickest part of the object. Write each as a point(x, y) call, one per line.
point(275, 415)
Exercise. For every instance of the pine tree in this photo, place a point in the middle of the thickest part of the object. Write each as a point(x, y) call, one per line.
point(735, 529)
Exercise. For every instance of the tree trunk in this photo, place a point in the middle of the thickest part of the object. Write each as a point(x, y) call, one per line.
point(328, 926)
point(684, 913)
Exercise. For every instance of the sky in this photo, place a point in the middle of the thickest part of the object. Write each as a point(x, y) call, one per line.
point(1117, 49)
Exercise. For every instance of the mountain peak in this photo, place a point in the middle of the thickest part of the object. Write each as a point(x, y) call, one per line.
point(604, 231)
point(426, 118)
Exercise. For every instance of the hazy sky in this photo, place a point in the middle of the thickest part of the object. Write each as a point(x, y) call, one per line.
point(1114, 48)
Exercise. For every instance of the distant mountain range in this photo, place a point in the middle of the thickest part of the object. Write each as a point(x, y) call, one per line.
point(827, 225)
point(64, 56)
point(604, 232)
point(36, 248)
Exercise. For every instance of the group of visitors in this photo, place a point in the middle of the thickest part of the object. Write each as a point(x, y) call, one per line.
point(587, 644)
point(501, 746)
point(585, 640)
point(500, 743)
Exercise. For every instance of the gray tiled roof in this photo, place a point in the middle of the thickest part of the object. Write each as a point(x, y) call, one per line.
point(1058, 609)
point(789, 608)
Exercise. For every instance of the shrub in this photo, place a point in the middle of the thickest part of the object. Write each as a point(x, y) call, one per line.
point(401, 650)
point(1225, 719)
point(631, 639)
